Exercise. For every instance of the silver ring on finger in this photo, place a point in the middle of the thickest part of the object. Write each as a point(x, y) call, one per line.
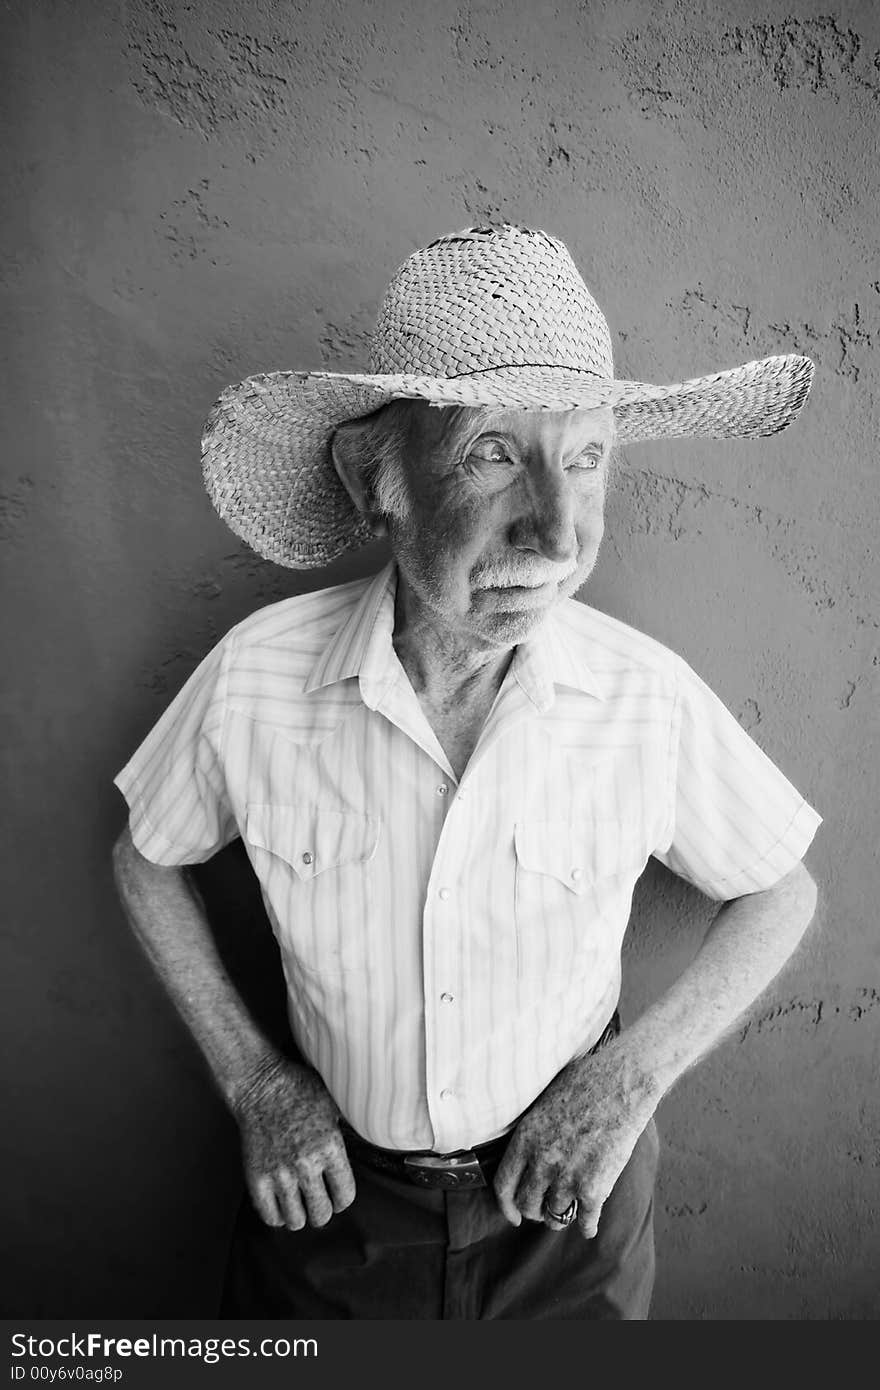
point(566, 1217)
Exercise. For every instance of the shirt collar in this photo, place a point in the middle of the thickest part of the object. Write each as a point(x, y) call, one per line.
point(362, 649)
point(549, 658)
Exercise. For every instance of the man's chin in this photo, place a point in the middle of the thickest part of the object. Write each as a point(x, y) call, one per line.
point(508, 617)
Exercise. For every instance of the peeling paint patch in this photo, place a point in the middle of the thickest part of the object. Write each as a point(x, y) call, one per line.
point(15, 506)
point(344, 348)
point(750, 715)
point(668, 74)
point(559, 155)
point(256, 65)
point(168, 676)
point(845, 344)
point(806, 566)
point(207, 589)
point(685, 1209)
point(203, 78)
point(815, 54)
point(657, 101)
point(814, 1013)
point(265, 581)
point(846, 699)
point(866, 1001)
point(782, 1015)
point(871, 1159)
point(482, 204)
point(491, 52)
point(168, 75)
point(14, 265)
point(662, 505)
point(848, 335)
point(188, 220)
point(767, 1273)
point(723, 320)
point(857, 342)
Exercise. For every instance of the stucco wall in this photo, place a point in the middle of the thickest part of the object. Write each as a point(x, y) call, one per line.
point(195, 192)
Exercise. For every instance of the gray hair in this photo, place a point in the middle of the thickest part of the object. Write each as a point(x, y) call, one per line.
point(379, 442)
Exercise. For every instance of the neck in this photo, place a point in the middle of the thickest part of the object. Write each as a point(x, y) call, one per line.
point(443, 665)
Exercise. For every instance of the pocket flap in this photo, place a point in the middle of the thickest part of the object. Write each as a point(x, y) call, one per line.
point(574, 852)
point(311, 839)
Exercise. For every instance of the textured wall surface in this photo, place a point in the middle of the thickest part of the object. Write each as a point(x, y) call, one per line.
point(195, 192)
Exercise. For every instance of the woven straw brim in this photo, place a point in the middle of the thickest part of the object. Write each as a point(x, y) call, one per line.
point(266, 455)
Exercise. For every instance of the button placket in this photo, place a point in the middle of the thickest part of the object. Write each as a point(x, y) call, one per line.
point(442, 967)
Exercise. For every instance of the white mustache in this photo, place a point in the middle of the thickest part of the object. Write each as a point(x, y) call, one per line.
point(504, 574)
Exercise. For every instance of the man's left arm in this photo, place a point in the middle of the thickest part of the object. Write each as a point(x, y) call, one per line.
point(577, 1137)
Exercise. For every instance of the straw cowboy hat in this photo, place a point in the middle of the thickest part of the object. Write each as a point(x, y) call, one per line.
point(492, 316)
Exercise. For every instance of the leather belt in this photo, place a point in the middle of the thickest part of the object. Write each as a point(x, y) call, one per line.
point(465, 1168)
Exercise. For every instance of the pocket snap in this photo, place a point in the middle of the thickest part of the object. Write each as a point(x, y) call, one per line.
point(312, 864)
point(565, 870)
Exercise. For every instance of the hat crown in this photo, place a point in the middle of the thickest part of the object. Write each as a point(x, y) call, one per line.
point(490, 297)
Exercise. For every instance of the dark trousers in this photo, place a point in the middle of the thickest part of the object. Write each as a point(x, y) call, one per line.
point(401, 1251)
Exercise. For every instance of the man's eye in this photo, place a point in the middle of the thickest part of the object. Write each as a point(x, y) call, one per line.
point(489, 451)
point(586, 462)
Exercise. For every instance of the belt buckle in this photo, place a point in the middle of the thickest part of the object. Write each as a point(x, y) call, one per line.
point(460, 1169)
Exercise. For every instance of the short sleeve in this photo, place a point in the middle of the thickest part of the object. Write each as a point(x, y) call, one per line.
point(738, 825)
point(174, 783)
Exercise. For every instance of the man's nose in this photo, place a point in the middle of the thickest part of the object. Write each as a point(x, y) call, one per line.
point(547, 524)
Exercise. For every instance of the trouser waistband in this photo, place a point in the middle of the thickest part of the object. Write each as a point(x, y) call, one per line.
point(464, 1168)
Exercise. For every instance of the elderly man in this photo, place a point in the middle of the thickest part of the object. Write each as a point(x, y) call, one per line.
point(448, 779)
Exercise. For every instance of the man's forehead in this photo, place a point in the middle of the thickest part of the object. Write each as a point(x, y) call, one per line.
point(567, 427)
point(435, 426)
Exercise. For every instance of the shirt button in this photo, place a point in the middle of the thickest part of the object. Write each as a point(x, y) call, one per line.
point(447, 998)
point(577, 874)
point(446, 1094)
point(307, 858)
point(444, 894)
point(442, 789)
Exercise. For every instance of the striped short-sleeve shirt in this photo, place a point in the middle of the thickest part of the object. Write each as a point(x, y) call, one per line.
point(449, 945)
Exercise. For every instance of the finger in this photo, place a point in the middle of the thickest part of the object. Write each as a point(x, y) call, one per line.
point(558, 1198)
point(531, 1192)
point(588, 1215)
point(319, 1207)
point(262, 1191)
point(289, 1200)
point(340, 1182)
point(506, 1182)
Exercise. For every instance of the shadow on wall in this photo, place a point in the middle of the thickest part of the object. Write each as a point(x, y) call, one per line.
point(245, 940)
point(667, 923)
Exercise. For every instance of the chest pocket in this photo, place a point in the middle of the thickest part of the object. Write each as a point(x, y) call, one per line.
point(314, 869)
point(574, 882)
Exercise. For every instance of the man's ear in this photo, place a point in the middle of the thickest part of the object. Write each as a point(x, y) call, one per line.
point(346, 450)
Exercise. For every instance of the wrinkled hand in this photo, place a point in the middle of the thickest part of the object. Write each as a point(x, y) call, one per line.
point(295, 1164)
point(576, 1139)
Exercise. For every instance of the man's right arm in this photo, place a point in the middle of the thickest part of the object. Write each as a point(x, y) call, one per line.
point(295, 1163)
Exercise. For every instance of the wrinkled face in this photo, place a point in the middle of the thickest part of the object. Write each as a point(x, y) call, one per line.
point(505, 513)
